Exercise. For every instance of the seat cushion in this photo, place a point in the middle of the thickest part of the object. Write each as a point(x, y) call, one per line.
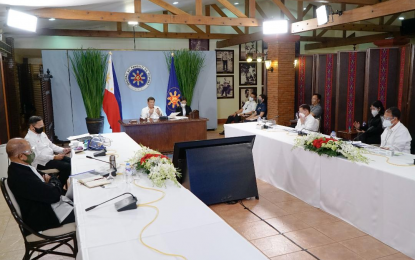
point(13, 199)
point(50, 171)
point(67, 228)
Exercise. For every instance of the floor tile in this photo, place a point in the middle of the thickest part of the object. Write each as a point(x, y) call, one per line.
point(278, 196)
point(235, 214)
point(287, 223)
point(11, 243)
point(294, 206)
point(295, 256)
point(308, 238)
point(12, 255)
point(275, 246)
point(339, 231)
point(368, 247)
point(334, 252)
point(316, 217)
point(255, 230)
point(264, 208)
point(264, 187)
point(398, 256)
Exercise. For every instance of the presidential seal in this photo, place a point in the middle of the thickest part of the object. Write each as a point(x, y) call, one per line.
point(137, 77)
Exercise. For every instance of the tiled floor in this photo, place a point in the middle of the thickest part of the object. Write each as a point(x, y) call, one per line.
point(321, 234)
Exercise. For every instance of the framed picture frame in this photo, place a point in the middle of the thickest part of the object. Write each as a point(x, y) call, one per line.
point(245, 48)
point(225, 87)
point(244, 93)
point(199, 44)
point(225, 62)
point(248, 73)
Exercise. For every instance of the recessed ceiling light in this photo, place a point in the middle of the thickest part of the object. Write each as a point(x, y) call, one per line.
point(52, 19)
point(236, 3)
point(132, 23)
point(401, 18)
point(175, 3)
point(304, 8)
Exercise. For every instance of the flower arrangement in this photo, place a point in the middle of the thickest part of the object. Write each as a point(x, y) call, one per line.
point(158, 167)
point(331, 147)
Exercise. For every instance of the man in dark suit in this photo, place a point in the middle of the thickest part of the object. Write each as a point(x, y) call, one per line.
point(184, 109)
point(39, 197)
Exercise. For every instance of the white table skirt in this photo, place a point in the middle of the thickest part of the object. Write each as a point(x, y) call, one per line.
point(377, 198)
point(182, 227)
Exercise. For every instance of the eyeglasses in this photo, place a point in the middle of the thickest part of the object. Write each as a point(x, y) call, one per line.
point(388, 118)
point(28, 152)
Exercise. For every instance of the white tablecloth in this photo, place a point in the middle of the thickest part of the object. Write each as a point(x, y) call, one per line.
point(378, 198)
point(185, 225)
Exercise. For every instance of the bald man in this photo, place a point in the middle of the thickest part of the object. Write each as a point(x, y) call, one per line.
point(39, 198)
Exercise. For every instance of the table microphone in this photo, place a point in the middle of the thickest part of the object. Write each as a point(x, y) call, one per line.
point(122, 205)
point(113, 173)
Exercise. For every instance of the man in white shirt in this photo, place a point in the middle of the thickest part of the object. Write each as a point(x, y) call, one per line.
point(247, 110)
point(151, 111)
point(45, 151)
point(306, 120)
point(396, 136)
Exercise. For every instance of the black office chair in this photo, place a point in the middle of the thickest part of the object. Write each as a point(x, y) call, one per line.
point(36, 240)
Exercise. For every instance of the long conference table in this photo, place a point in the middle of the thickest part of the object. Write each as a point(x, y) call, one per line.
point(378, 198)
point(185, 225)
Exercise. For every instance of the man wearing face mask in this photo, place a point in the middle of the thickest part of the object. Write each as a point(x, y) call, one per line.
point(396, 136)
point(261, 109)
point(183, 109)
point(39, 197)
point(45, 151)
point(370, 133)
point(306, 121)
point(245, 111)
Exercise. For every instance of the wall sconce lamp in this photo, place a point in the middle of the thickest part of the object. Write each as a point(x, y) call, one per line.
point(249, 57)
point(268, 65)
point(259, 58)
point(295, 63)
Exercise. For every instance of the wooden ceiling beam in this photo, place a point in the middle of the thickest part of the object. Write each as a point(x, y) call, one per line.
point(356, 2)
point(322, 33)
point(308, 8)
point(260, 11)
point(137, 6)
point(232, 8)
point(332, 43)
point(125, 34)
point(300, 7)
point(247, 14)
point(69, 14)
point(148, 27)
point(175, 10)
point(392, 19)
point(199, 7)
point(252, 11)
point(165, 25)
point(221, 13)
point(207, 13)
point(364, 13)
point(285, 10)
point(365, 28)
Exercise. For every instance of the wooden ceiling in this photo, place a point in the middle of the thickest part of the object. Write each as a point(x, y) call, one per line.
point(200, 23)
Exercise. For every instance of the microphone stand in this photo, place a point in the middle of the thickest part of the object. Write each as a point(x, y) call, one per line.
point(92, 207)
point(110, 177)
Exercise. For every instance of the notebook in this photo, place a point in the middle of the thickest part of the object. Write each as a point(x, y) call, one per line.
point(94, 181)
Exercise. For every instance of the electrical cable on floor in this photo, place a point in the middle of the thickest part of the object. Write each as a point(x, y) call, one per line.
point(279, 232)
point(147, 204)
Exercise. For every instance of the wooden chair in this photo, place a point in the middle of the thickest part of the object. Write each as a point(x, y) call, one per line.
point(36, 240)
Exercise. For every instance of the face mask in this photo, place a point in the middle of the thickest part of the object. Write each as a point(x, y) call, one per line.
point(375, 112)
point(251, 98)
point(39, 130)
point(302, 115)
point(387, 123)
point(183, 105)
point(259, 100)
point(30, 158)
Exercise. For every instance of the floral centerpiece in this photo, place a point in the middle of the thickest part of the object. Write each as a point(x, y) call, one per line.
point(158, 167)
point(331, 147)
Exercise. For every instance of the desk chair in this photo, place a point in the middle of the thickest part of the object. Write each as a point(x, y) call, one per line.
point(36, 240)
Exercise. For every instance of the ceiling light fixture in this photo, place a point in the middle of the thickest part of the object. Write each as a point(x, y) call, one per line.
point(133, 23)
point(401, 18)
point(52, 19)
point(304, 8)
point(21, 20)
point(236, 3)
point(275, 27)
point(322, 15)
point(175, 3)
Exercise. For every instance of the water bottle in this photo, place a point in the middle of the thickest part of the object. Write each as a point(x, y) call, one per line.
point(259, 120)
point(364, 124)
point(127, 173)
point(333, 134)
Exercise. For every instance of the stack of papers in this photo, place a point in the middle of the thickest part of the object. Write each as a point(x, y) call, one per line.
point(94, 181)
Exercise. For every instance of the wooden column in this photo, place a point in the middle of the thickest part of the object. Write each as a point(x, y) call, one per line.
point(281, 82)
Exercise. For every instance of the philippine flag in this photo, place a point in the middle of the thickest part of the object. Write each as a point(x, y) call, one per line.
point(112, 98)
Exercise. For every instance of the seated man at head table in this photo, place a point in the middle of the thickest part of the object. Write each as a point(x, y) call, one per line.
point(245, 111)
point(151, 111)
point(396, 136)
point(306, 121)
point(39, 197)
point(184, 108)
point(316, 109)
point(45, 151)
point(261, 109)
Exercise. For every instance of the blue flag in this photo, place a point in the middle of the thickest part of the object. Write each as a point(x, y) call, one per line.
point(173, 91)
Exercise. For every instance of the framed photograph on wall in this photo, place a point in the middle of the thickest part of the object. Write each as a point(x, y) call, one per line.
point(249, 47)
point(248, 73)
point(224, 62)
point(199, 44)
point(244, 93)
point(224, 87)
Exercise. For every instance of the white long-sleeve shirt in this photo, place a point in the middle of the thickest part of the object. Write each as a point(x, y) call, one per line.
point(249, 106)
point(397, 138)
point(310, 124)
point(145, 113)
point(44, 149)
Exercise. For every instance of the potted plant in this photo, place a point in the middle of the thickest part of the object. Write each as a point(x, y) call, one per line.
point(90, 68)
